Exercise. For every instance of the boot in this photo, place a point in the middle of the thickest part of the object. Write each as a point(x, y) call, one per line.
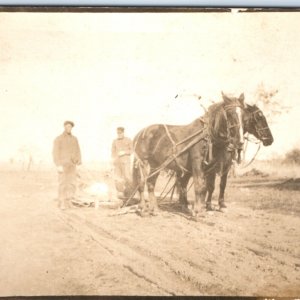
point(62, 204)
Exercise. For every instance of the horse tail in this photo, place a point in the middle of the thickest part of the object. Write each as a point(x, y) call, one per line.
point(141, 151)
point(136, 178)
point(136, 174)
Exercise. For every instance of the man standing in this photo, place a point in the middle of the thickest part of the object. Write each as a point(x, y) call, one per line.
point(121, 152)
point(66, 156)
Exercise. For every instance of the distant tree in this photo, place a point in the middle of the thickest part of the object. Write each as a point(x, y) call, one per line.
point(26, 158)
point(267, 100)
point(293, 156)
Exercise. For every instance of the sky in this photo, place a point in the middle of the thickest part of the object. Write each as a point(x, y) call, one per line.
point(104, 70)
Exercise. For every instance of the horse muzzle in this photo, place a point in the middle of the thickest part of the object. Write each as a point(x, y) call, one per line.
point(267, 141)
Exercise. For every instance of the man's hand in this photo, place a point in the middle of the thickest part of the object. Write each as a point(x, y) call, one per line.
point(60, 169)
point(121, 153)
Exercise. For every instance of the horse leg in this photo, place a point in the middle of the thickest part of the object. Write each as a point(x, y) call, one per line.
point(142, 204)
point(139, 182)
point(210, 185)
point(200, 189)
point(181, 183)
point(223, 183)
point(153, 207)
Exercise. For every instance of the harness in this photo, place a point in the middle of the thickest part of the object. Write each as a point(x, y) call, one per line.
point(209, 136)
point(174, 152)
point(229, 125)
point(202, 134)
point(212, 138)
point(259, 131)
point(257, 150)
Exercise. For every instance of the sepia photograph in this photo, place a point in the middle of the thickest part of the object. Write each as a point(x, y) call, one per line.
point(150, 152)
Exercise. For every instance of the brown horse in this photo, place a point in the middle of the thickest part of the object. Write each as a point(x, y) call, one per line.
point(183, 150)
point(255, 123)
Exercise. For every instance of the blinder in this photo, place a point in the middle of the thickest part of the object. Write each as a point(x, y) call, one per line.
point(260, 131)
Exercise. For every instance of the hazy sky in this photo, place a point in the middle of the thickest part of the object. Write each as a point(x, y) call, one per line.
point(104, 70)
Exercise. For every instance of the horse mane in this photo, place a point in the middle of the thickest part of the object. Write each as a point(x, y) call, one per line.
point(217, 126)
point(213, 108)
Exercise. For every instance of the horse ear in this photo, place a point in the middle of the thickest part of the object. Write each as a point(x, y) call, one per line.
point(225, 98)
point(242, 100)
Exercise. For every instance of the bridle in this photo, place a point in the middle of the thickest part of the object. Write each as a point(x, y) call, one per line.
point(262, 132)
point(230, 125)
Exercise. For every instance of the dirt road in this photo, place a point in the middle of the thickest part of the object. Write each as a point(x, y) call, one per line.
point(44, 251)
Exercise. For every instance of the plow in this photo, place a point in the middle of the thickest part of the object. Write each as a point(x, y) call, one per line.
point(211, 132)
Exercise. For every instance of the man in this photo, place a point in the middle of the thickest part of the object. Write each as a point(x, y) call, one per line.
point(121, 152)
point(66, 156)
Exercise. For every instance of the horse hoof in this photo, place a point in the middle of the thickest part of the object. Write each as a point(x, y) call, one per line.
point(222, 205)
point(200, 215)
point(209, 208)
point(185, 209)
point(222, 209)
point(154, 213)
point(142, 213)
point(197, 217)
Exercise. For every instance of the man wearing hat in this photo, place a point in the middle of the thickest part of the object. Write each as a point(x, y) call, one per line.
point(66, 156)
point(121, 152)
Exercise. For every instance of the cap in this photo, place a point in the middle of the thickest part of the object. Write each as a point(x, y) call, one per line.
point(69, 122)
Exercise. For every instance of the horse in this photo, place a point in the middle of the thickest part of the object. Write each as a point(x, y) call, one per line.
point(255, 123)
point(182, 149)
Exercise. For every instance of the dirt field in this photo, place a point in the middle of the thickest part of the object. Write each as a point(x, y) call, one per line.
point(252, 249)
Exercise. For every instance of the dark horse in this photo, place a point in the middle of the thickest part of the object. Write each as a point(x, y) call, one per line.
point(184, 148)
point(255, 123)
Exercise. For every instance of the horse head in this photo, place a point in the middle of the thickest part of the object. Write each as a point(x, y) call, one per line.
point(256, 123)
point(233, 108)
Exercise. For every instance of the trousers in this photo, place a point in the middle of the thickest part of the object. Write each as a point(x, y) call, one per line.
point(122, 173)
point(67, 183)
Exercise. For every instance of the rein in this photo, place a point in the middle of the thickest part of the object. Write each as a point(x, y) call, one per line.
point(192, 143)
point(257, 142)
point(166, 162)
point(193, 138)
point(188, 138)
point(183, 169)
point(253, 158)
point(172, 158)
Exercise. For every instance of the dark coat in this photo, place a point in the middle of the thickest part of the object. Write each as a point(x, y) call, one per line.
point(66, 150)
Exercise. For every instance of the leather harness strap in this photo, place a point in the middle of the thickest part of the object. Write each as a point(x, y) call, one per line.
point(174, 154)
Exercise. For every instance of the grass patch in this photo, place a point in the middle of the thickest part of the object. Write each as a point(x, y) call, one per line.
point(268, 198)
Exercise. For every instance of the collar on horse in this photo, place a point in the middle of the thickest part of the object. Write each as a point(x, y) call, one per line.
point(213, 139)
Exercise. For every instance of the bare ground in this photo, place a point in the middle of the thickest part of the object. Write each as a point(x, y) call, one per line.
point(252, 249)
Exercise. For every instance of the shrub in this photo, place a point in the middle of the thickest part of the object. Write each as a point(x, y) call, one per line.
point(293, 157)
